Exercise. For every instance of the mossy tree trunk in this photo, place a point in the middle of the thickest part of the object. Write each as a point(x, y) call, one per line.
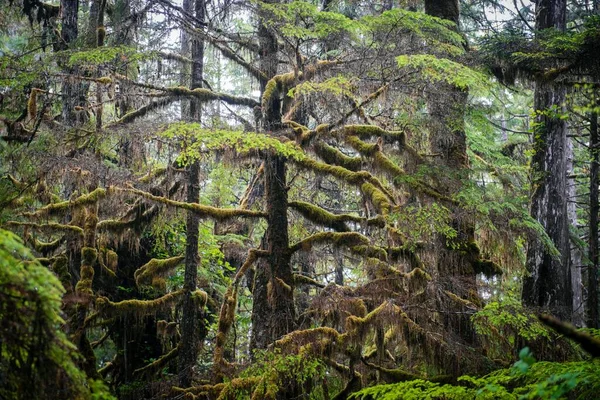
point(453, 269)
point(548, 284)
point(273, 313)
point(592, 284)
point(191, 318)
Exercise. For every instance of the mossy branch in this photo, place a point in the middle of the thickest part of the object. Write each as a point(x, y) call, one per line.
point(227, 312)
point(154, 268)
point(159, 363)
point(300, 279)
point(45, 247)
point(140, 112)
point(201, 94)
point(49, 227)
point(587, 342)
point(348, 239)
point(323, 217)
point(83, 200)
point(218, 214)
point(331, 155)
point(138, 307)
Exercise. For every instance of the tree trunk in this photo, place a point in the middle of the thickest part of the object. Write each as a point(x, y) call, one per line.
point(273, 313)
point(548, 284)
point(190, 322)
point(576, 251)
point(592, 284)
point(452, 260)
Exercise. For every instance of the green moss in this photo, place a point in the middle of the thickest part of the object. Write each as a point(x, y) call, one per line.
point(323, 217)
point(50, 227)
point(219, 214)
point(300, 279)
point(83, 200)
point(347, 239)
point(331, 155)
point(89, 255)
point(155, 267)
point(366, 149)
point(370, 251)
point(138, 307)
point(378, 199)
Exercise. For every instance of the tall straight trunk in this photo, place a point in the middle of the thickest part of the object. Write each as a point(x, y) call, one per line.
point(452, 260)
point(592, 275)
point(548, 284)
point(190, 321)
point(273, 313)
point(576, 252)
point(68, 34)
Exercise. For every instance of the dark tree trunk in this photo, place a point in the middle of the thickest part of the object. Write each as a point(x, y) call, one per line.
point(592, 285)
point(273, 313)
point(190, 322)
point(71, 92)
point(453, 259)
point(446, 9)
point(548, 284)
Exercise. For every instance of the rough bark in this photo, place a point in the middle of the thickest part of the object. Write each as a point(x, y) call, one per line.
point(452, 261)
point(190, 332)
point(576, 251)
point(548, 284)
point(592, 274)
point(273, 313)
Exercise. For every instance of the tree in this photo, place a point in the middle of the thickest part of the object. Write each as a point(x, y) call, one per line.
point(336, 220)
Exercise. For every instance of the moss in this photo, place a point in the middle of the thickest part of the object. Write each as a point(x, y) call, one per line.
point(159, 363)
point(60, 267)
point(44, 247)
point(323, 217)
point(83, 200)
point(112, 260)
point(486, 267)
point(84, 285)
point(138, 307)
point(155, 268)
point(205, 95)
point(306, 280)
point(105, 80)
point(372, 131)
point(152, 174)
point(32, 103)
point(378, 199)
point(348, 239)
point(370, 251)
point(366, 149)
point(200, 298)
point(89, 255)
point(459, 300)
point(219, 214)
point(331, 155)
point(51, 226)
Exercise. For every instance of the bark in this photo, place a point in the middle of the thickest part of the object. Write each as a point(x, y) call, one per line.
point(548, 284)
point(273, 313)
point(592, 284)
point(576, 251)
point(190, 323)
point(452, 261)
point(72, 95)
